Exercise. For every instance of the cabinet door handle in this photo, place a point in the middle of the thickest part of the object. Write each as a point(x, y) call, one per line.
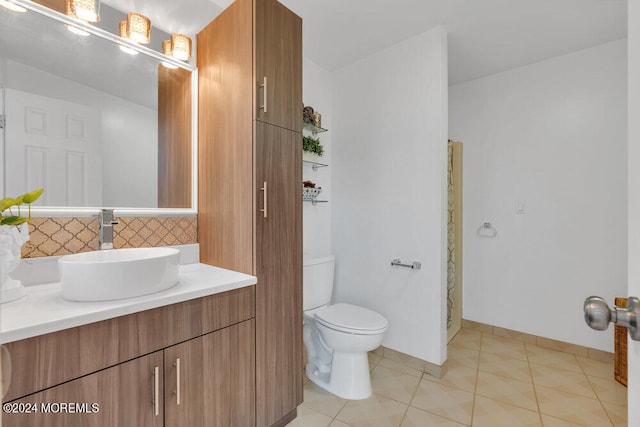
point(5, 370)
point(264, 198)
point(177, 390)
point(264, 86)
point(156, 390)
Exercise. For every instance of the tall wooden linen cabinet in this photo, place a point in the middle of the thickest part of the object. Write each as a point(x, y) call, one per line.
point(250, 176)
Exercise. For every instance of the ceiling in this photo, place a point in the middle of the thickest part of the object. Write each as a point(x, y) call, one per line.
point(485, 36)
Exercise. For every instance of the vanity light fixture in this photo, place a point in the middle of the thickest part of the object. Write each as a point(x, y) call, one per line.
point(85, 10)
point(138, 28)
point(166, 49)
point(180, 46)
point(123, 34)
point(8, 4)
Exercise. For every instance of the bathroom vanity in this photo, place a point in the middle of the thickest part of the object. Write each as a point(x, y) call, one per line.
point(181, 357)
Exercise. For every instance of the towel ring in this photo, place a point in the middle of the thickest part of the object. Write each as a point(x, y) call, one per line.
point(487, 230)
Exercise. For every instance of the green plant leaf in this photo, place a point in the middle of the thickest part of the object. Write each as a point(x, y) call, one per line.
point(13, 220)
point(312, 145)
point(32, 196)
point(6, 203)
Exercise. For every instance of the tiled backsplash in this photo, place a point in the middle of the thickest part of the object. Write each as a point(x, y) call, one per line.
point(62, 236)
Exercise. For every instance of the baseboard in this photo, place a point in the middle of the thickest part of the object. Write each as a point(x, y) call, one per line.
point(562, 346)
point(432, 369)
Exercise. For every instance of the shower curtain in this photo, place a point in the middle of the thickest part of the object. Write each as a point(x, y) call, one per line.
point(454, 237)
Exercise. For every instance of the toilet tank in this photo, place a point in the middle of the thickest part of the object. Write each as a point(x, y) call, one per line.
point(317, 281)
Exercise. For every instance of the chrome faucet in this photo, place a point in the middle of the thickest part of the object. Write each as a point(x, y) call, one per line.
point(106, 229)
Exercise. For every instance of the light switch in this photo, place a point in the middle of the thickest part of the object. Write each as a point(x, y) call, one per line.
point(521, 208)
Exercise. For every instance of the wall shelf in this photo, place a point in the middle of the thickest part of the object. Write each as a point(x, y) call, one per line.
point(313, 202)
point(313, 128)
point(315, 165)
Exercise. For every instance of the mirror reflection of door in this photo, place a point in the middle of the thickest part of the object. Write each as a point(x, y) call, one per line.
point(53, 144)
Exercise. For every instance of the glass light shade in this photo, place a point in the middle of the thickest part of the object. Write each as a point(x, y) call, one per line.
point(87, 10)
point(138, 28)
point(12, 6)
point(181, 46)
point(166, 49)
point(123, 33)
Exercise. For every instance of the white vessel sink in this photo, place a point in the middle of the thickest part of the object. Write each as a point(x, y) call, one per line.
point(118, 273)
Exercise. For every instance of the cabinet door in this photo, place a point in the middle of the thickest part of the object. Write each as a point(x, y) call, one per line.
point(210, 380)
point(278, 33)
point(127, 395)
point(279, 272)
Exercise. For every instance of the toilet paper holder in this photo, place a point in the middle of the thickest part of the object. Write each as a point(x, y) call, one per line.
point(415, 265)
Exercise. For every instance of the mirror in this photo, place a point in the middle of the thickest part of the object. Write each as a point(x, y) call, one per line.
point(94, 126)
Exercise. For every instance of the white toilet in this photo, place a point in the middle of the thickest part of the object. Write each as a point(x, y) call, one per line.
point(337, 337)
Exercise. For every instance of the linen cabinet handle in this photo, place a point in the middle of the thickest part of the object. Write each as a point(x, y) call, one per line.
point(177, 390)
point(156, 390)
point(264, 198)
point(264, 87)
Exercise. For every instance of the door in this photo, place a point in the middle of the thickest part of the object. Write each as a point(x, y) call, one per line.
point(126, 395)
point(634, 203)
point(278, 53)
point(43, 133)
point(209, 381)
point(279, 272)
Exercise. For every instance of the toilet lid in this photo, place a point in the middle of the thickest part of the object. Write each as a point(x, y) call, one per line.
point(351, 318)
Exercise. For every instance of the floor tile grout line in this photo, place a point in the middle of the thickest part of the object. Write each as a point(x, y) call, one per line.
point(406, 409)
point(475, 389)
point(596, 393)
point(533, 385)
point(568, 392)
point(425, 410)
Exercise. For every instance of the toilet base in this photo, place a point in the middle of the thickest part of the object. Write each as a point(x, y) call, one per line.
point(348, 378)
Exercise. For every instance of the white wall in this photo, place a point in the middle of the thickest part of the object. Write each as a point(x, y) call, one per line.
point(128, 134)
point(551, 135)
point(316, 220)
point(389, 189)
point(634, 202)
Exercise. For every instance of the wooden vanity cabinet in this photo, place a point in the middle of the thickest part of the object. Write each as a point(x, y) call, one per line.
point(124, 395)
point(278, 63)
point(250, 181)
point(134, 377)
point(209, 381)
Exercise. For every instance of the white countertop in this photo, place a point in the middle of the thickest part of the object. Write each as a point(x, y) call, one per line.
point(43, 310)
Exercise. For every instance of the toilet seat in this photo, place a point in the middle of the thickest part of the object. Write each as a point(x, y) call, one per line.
point(351, 319)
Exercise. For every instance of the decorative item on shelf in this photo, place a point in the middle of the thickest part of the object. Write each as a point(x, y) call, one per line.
point(8, 4)
point(307, 114)
point(317, 119)
point(308, 184)
point(138, 28)
point(123, 34)
point(14, 232)
point(312, 150)
point(310, 193)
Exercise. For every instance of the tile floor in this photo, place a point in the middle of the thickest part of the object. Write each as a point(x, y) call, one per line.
point(491, 381)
